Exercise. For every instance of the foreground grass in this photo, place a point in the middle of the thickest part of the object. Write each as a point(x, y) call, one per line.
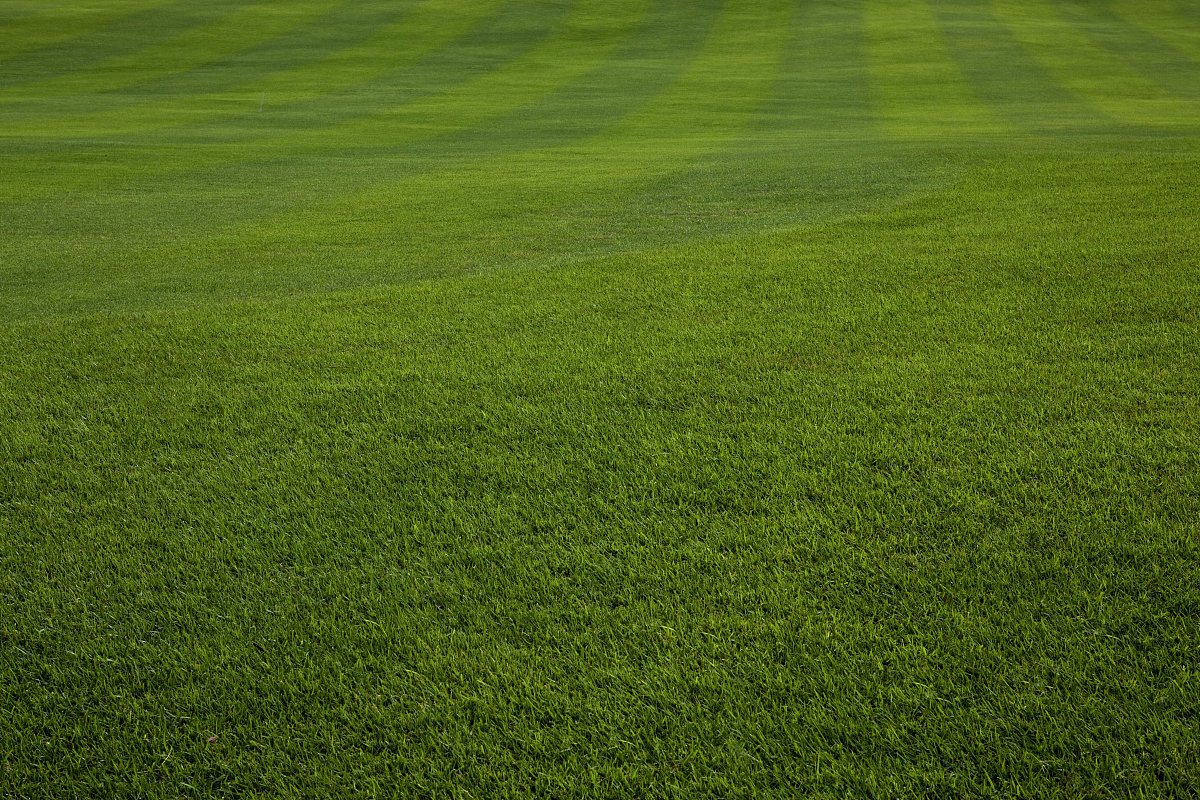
point(600, 400)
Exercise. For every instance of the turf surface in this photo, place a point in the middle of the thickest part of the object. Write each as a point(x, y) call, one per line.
point(615, 398)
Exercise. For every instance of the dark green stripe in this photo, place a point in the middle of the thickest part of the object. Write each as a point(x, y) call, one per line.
point(1140, 50)
point(1005, 76)
point(123, 35)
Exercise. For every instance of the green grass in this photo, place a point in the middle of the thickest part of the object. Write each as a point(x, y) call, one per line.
point(600, 399)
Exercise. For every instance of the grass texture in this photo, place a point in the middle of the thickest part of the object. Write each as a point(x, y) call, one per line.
point(607, 398)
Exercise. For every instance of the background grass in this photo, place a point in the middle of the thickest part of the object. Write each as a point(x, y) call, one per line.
point(624, 398)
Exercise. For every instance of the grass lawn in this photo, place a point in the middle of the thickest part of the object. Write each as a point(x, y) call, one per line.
point(604, 398)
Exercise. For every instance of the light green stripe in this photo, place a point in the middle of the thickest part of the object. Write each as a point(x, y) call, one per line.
point(431, 25)
point(1092, 73)
point(1003, 75)
point(727, 82)
point(1157, 18)
point(61, 23)
point(426, 27)
point(707, 108)
point(823, 89)
point(918, 87)
point(203, 44)
point(584, 40)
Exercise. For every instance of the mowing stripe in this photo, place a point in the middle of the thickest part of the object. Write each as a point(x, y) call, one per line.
point(707, 108)
point(17, 13)
point(582, 106)
point(45, 28)
point(1095, 75)
point(218, 38)
point(741, 99)
point(1159, 18)
point(713, 101)
point(430, 26)
point(584, 39)
point(823, 87)
point(337, 80)
point(224, 132)
point(653, 34)
point(485, 212)
point(812, 151)
point(122, 35)
point(221, 89)
point(919, 89)
point(1003, 75)
point(483, 47)
point(642, 66)
point(1188, 12)
point(418, 56)
point(516, 180)
point(1145, 53)
point(463, 421)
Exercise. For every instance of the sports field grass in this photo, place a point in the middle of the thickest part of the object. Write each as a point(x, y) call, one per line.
point(606, 398)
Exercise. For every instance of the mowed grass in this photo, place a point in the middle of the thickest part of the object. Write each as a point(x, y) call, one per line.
point(599, 399)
